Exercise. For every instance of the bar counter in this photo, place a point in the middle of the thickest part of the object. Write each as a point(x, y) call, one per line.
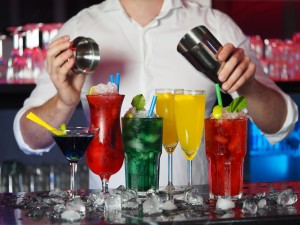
point(14, 211)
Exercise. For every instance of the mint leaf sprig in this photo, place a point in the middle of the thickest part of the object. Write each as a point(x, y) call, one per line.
point(237, 105)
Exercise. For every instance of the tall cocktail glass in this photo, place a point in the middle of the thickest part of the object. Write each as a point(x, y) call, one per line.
point(142, 139)
point(165, 109)
point(105, 154)
point(73, 145)
point(189, 114)
point(226, 145)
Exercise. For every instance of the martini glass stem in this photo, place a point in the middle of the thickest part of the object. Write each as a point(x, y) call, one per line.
point(73, 166)
point(189, 171)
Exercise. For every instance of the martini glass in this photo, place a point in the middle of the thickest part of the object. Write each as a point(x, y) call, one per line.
point(73, 145)
point(189, 113)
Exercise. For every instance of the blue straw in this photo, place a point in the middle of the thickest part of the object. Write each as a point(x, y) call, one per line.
point(111, 79)
point(118, 80)
point(152, 106)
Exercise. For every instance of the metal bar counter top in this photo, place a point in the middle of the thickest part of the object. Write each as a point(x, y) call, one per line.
point(38, 208)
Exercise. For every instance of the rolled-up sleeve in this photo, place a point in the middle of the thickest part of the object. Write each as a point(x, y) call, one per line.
point(43, 91)
point(292, 108)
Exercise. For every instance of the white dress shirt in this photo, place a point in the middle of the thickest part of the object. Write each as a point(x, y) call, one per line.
point(147, 59)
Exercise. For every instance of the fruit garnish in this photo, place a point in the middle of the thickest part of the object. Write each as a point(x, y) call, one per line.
point(138, 102)
point(237, 104)
point(217, 111)
point(63, 127)
point(92, 90)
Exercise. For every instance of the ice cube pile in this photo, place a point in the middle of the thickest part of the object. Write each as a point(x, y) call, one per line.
point(230, 115)
point(100, 89)
point(133, 113)
point(122, 204)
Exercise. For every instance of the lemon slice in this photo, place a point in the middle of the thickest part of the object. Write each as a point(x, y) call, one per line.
point(92, 90)
point(217, 111)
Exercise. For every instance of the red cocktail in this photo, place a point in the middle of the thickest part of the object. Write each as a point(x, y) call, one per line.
point(226, 145)
point(105, 154)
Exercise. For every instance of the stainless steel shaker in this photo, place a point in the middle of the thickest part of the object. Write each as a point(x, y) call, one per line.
point(86, 53)
point(200, 48)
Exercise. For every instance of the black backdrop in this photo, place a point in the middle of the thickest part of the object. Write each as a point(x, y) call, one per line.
point(268, 18)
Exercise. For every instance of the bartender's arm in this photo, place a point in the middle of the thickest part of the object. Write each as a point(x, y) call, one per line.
point(265, 106)
point(60, 107)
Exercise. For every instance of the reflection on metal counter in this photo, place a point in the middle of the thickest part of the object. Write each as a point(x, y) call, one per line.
point(17, 177)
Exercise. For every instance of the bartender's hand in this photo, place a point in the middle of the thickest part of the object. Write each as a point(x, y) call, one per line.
point(60, 61)
point(238, 70)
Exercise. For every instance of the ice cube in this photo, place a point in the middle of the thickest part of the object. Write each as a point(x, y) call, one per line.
point(287, 197)
point(131, 112)
point(136, 144)
point(99, 89)
point(152, 205)
point(129, 195)
point(109, 88)
point(150, 138)
point(224, 204)
point(70, 215)
point(56, 192)
point(151, 192)
point(131, 204)
point(168, 205)
point(260, 195)
point(59, 208)
point(76, 204)
point(249, 206)
point(119, 189)
point(126, 194)
point(142, 114)
point(192, 196)
point(262, 203)
point(96, 199)
point(113, 203)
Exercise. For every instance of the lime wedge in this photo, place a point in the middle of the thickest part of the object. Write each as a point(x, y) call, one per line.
point(217, 111)
point(138, 102)
point(63, 127)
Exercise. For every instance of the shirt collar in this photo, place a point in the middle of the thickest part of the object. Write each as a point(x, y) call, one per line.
point(113, 5)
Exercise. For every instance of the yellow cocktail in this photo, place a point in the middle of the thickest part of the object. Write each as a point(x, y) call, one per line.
point(190, 113)
point(165, 109)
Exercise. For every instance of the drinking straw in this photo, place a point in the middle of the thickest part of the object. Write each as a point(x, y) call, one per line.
point(152, 106)
point(219, 94)
point(42, 123)
point(111, 78)
point(118, 80)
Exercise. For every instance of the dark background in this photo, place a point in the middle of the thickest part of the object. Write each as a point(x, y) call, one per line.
point(268, 18)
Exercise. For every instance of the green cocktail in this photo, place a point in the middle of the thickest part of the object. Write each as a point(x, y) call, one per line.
point(142, 139)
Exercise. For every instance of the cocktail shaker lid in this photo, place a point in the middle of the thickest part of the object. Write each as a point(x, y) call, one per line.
point(86, 53)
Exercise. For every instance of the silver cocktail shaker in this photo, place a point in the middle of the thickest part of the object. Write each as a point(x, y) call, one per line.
point(86, 53)
point(200, 48)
